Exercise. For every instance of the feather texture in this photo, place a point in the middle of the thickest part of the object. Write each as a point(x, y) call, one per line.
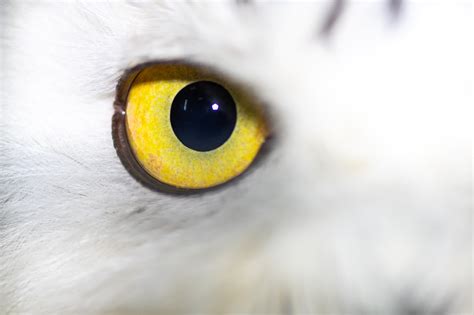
point(364, 203)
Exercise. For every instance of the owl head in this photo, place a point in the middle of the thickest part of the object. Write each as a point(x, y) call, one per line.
point(236, 157)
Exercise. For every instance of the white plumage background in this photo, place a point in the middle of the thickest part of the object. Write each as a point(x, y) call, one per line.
point(362, 205)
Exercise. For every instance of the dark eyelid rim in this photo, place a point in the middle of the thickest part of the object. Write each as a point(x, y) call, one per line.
point(124, 150)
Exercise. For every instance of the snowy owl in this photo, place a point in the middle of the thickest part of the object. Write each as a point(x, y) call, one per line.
point(236, 157)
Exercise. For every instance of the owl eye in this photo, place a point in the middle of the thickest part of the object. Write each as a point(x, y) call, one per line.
point(179, 127)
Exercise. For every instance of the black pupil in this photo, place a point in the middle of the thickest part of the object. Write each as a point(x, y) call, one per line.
point(203, 115)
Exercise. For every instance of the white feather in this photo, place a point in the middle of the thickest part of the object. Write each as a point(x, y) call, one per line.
point(363, 205)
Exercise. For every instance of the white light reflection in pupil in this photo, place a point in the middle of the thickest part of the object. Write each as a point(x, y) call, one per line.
point(215, 106)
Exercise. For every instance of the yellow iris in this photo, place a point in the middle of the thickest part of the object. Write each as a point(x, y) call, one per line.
point(162, 155)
